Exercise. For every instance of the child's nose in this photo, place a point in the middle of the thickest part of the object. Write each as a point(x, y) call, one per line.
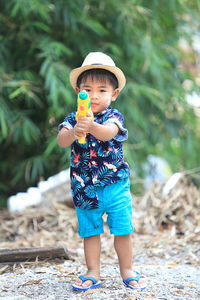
point(94, 95)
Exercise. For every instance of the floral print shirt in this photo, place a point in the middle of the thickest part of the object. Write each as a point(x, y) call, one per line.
point(96, 163)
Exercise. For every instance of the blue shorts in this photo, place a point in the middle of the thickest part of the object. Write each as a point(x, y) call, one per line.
point(116, 201)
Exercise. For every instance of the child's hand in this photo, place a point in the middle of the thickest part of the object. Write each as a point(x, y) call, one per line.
point(78, 133)
point(83, 125)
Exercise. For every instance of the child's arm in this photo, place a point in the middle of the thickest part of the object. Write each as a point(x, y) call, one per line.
point(104, 132)
point(101, 132)
point(67, 136)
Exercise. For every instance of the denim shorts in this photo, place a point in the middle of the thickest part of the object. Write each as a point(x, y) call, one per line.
point(116, 201)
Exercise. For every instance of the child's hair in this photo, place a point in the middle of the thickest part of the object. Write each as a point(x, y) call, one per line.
point(98, 74)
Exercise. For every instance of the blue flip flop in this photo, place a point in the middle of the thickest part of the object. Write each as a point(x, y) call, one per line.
point(136, 278)
point(95, 284)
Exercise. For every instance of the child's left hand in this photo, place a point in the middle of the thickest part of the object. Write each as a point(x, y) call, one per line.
point(85, 123)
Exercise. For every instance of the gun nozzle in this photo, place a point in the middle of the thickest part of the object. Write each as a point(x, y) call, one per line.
point(83, 95)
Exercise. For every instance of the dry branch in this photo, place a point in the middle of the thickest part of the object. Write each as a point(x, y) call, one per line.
point(23, 254)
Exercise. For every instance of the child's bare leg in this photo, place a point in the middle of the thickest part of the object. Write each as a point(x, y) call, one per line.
point(92, 249)
point(124, 249)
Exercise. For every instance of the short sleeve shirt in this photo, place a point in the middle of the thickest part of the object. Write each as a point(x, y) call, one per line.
point(96, 163)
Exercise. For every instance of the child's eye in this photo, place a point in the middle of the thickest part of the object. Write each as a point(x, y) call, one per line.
point(102, 91)
point(87, 90)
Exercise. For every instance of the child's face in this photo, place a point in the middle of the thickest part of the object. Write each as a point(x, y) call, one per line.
point(100, 93)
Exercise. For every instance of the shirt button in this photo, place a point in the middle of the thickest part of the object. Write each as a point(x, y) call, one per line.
point(93, 144)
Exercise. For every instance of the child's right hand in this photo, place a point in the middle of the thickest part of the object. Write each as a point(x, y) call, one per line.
point(78, 131)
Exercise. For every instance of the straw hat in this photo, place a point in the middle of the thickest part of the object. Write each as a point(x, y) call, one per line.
point(98, 60)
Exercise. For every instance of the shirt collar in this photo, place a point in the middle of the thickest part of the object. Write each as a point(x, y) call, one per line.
point(101, 113)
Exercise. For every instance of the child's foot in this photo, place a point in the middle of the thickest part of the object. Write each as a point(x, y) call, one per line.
point(87, 283)
point(138, 283)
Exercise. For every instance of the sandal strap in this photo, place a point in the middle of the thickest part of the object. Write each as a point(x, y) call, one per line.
point(136, 278)
point(88, 278)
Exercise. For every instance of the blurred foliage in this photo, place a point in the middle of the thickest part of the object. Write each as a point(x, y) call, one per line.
point(41, 41)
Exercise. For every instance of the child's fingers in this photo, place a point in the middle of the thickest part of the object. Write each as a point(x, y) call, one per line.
point(89, 114)
point(79, 135)
point(79, 131)
point(84, 119)
point(84, 124)
point(81, 128)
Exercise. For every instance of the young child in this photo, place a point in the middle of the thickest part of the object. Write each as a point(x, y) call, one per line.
point(99, 175)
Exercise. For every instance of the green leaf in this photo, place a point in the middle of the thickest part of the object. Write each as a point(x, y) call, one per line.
point(16, 93)
point(42, 41)
point(96, 27)
point(4, 127)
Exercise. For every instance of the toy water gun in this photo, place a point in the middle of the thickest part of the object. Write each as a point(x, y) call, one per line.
point(84, 106)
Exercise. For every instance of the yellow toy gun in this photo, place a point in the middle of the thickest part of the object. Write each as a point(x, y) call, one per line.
point(84, 106)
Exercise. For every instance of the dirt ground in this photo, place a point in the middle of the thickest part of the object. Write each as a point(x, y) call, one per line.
point(169, 263)
point(166, 245)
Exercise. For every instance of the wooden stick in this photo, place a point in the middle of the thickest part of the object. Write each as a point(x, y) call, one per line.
point(23, 254)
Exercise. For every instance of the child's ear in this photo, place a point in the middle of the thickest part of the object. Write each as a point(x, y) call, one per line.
point(77, 90)
point(115, 94)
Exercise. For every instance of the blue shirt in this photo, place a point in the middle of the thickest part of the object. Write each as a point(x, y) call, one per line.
point(96, 163)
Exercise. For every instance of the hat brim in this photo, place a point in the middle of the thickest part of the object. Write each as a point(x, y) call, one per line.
point(75, 73)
